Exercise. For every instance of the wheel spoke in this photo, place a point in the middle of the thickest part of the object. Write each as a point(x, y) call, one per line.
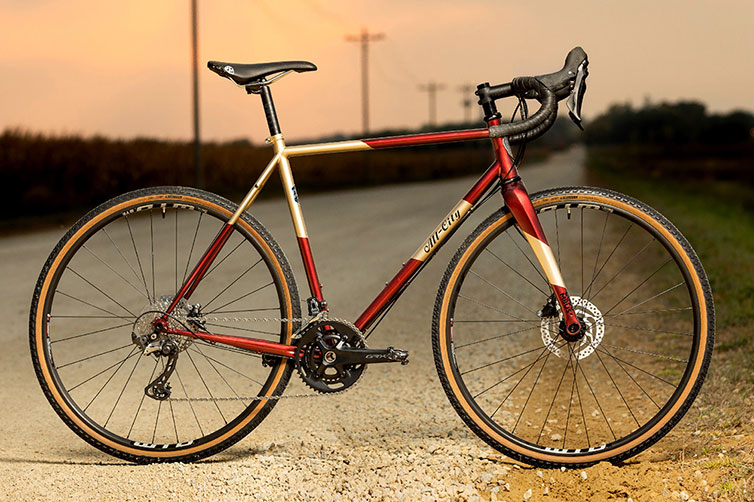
point(101, 372)
point(138, 359)
point(554, 396)
point(602, 412)
point(536, 269)
point(531, 391)
point(523, 368)
point(109, 379)
point(211, 396)
point(141, 402)
point(109, 277)
point(503, 292)
point(260, 288)
point(138, 259)
point(617, 361)
point(232, 369)
point(114, 271)
point(191, 251)
point(188, 400)
point(95, 355)
point(206, 305)
point(604, 366)
point(517, 272)
point(495, 309)
point(151, 242)
point(622, 269)
point(100, 290)
point(209, 360)
point(117, 248)
point(647, 300)
point(501, 360)
point(539, 357)
point(602, 267)
point(223, 259)
point(636, 367)
point(112, 314)
point(91, 333)
point(496, 337)
point(639, 328)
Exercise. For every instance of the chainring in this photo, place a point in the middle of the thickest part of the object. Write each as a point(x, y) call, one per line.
point(316, 361)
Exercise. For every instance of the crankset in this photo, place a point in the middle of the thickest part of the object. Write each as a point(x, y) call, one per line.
point(332, 355)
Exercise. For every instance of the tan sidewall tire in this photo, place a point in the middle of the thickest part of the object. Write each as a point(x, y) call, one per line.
point(60, 255)
point(701, 360)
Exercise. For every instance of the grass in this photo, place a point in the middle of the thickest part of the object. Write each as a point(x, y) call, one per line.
point(717, 217)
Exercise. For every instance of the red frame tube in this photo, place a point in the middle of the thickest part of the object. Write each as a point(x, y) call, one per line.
point(428, 139)
point(242, 342)
point(311, 271)
point(514, 194)
point(201, 268)
point(391, 290)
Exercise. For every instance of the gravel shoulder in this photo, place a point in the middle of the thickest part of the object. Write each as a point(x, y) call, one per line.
point(393, 437)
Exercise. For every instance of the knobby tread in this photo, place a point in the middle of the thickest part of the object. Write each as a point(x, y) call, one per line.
point(575, 191)
point(167, 191)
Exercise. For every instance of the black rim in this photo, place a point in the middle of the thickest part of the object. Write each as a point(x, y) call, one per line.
point(168, 405)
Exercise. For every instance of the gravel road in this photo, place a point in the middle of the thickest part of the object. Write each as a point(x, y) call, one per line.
point(393, 437)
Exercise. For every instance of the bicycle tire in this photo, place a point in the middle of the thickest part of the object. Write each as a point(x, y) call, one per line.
point(90, 281)
point(634, 380)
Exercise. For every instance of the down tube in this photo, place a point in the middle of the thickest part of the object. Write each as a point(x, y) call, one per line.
point(429, 247)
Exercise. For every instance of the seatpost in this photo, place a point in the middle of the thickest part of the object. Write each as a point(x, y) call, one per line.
point(269, 107)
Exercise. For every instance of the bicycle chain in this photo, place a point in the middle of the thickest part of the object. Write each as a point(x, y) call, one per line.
point(304, 322)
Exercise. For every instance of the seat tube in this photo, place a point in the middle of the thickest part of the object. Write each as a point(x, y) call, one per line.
point(297, 216)
point(519, 203)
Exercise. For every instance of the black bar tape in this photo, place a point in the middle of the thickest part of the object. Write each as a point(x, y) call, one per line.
point(544, 116)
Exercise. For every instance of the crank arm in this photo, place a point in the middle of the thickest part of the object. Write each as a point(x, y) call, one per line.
point(369, 356)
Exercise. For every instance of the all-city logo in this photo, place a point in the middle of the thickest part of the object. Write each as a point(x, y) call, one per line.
point(229, 69)
point(446, 225)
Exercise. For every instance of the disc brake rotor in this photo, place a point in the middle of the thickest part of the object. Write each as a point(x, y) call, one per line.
point(178, 320)
point(593, 328)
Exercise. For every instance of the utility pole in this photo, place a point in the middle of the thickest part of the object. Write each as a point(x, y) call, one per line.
point(466, 90)
point(364, 38)
point(431, 88)
point(198, 169)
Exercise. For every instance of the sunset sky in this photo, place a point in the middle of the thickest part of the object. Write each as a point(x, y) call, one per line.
point(122, 69)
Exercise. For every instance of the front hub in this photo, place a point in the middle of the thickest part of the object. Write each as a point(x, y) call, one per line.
point(585, 341)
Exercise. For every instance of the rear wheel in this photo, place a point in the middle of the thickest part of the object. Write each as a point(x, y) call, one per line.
point(527, 390)
point(116, 271)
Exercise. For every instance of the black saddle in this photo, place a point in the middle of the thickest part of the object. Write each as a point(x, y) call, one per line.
point(245, 74)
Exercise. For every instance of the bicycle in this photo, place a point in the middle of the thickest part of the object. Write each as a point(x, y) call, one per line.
point(547, 377)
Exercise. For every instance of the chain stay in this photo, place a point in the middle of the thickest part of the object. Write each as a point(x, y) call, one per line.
point(305, 322)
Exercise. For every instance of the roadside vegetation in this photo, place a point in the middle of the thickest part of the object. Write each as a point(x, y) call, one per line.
point(696, 169)
point(67, 175)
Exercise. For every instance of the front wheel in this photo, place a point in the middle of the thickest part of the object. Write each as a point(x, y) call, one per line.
point(117, 271)
point(639, 290)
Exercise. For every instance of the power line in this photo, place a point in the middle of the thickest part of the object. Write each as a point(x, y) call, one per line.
point(198, 169)
point(431, 89)
point(364, 38)
point(466, 90)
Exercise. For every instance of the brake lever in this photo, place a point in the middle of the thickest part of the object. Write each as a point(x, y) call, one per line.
point(577, 94)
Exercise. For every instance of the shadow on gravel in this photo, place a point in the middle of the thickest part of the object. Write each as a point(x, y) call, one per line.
point(14, 460)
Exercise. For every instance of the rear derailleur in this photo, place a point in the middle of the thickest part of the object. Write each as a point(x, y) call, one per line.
point(332, 355)
point(159, 388)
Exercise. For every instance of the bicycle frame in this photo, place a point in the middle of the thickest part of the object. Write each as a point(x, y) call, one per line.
point(514, 194)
